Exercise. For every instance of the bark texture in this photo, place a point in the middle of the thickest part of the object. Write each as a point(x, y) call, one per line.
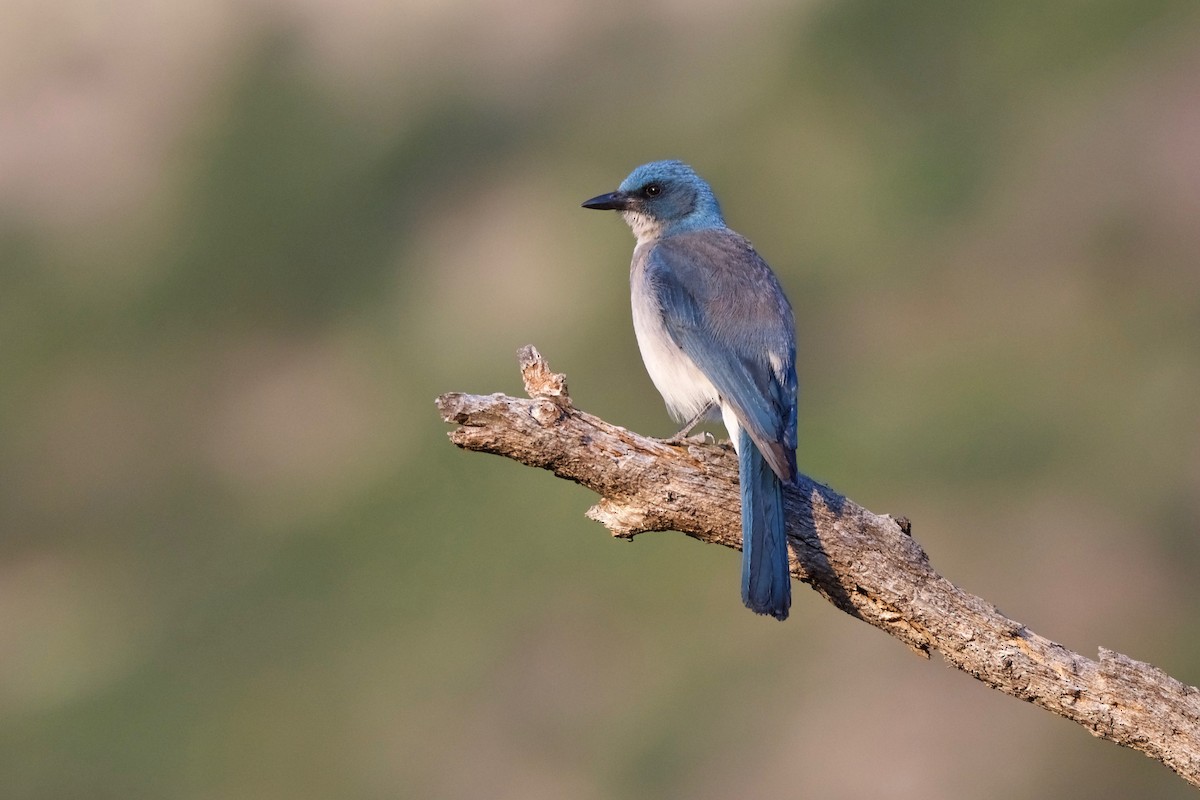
point(865, 564)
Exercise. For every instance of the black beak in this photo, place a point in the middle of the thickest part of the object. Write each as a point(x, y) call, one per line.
point(613, 201)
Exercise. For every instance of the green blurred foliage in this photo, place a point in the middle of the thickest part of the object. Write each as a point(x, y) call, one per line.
point(241, 559)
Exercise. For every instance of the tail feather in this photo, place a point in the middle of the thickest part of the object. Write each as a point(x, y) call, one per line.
point(766, 579)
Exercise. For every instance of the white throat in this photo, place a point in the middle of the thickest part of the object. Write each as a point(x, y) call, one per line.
point(645, 228)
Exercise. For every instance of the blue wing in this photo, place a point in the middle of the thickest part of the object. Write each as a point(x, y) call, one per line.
point(724, 308)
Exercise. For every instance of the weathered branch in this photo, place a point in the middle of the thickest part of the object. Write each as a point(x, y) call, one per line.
point(865, 564)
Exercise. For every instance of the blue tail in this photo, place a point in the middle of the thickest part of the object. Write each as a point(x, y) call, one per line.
point(766, 581)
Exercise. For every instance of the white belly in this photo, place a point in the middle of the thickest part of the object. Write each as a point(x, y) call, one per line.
point(681, 383)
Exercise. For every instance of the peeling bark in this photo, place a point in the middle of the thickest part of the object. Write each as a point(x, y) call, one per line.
point(865, 564)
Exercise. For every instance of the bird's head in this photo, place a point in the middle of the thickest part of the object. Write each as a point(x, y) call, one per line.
point(660, 197)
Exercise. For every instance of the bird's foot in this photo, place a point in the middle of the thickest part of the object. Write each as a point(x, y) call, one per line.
point(682, 435)
point(682, 439)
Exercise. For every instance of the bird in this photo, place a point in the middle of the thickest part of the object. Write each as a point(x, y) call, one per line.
point(717, 335)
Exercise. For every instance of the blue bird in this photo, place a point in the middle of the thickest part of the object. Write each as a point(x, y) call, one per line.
point(716, 332)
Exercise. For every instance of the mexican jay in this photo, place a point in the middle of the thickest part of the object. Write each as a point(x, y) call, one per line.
point(716, 331)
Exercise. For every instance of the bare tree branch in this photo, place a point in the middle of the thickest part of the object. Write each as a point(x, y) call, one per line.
point(865, 564)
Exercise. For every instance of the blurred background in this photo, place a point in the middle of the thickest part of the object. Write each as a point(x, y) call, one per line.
point(243, 245)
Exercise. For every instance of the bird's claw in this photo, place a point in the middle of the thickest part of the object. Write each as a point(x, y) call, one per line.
point(704, 437)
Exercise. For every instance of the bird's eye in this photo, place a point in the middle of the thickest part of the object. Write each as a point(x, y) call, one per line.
point(652, 190)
